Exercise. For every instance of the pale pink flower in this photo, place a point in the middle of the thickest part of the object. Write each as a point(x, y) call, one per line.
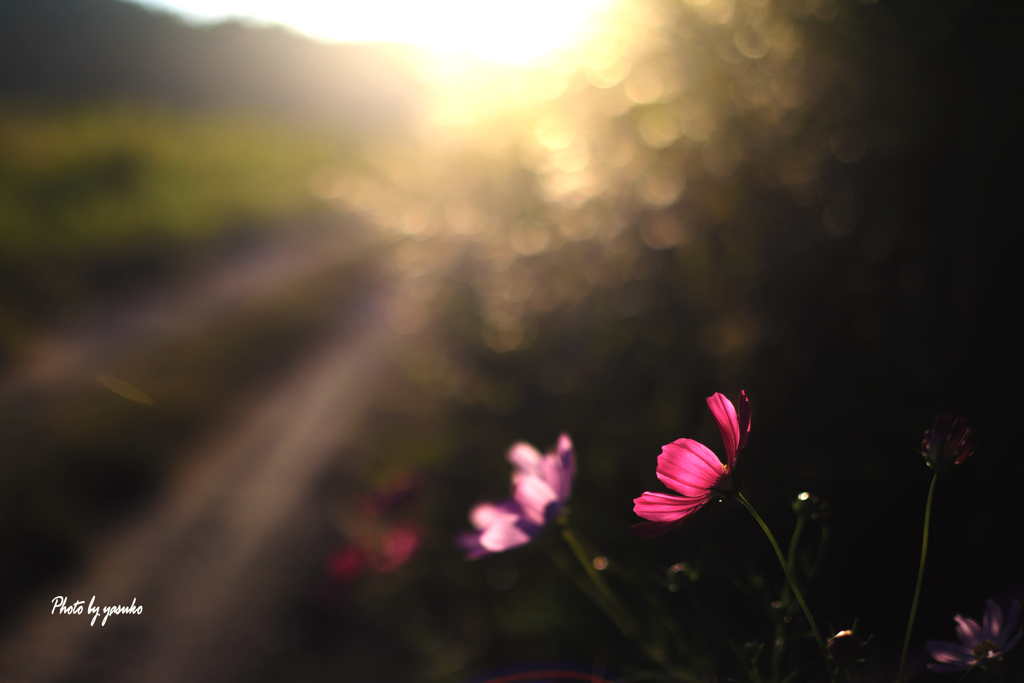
point(978, 642)
point(692, 470)
point(541, 485)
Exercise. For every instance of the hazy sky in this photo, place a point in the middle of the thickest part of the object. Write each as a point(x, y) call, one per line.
point(512, 32)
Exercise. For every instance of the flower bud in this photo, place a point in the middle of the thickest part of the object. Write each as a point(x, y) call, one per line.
point(809, 505)
point(846, 648)
point(948, 443)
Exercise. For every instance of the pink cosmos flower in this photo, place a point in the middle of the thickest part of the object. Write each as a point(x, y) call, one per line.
point(692, 470)
point(978, 643)
point(541, 485)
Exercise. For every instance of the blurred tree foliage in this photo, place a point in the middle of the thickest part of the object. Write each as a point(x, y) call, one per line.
point(806, 199)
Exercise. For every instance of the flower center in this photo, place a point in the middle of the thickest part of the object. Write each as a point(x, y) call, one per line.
point(983, 648)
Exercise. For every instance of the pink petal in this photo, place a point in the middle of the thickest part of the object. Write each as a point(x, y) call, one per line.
point(484, 515)
point(549, 472)
point(534, 495)
point(565, 450)
point(652, 529)
point(556, 468)
point(1011, 622)
point(1010, 643)
point(552, 472)
point(502, 536)
point(663, 507)
point(992, 622)
point(968, 630)
point(470, 543)
point(565, 459)
point(728, 425)
point(525, 458)
point(744, 420)
point(688, 467)
point(946, 652)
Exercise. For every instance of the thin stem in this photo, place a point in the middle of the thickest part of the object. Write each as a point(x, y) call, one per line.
point(819, 558)
point(565, 564)
point(606, 599)
point(794, 542)
point(792, 582)
point(716, 626)
point(780, 628)
point(920, 576)
point(667, 621)
point(618, 611)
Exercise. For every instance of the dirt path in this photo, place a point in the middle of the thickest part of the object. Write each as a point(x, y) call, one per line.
point(209, 560)
point(128, 327)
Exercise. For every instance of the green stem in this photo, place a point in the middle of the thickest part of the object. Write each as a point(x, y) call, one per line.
point(609, 602)
point(780, 629)
point(792, 582)
point(716, 626)
point(920, 576)
point(603, 595)
point(819, 557)
point(566, 565)
point(657, 605)
point(794, 542)
point(587, 562)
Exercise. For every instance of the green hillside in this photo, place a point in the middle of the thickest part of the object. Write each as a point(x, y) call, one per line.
point(60, 51)
point(92, 189)
point(131, 141)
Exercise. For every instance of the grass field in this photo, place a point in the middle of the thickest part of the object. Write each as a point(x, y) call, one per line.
point(92, 196)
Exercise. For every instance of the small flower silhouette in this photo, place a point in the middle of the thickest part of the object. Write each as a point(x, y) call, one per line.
point(692, 470)
point(948, 443)
point(846, 649)
point(978, 643)
point(541, 485)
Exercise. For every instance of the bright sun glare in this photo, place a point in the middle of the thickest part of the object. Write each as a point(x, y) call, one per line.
point(505, 32)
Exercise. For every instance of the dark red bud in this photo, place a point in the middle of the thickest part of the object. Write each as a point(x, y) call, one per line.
point(948, 443)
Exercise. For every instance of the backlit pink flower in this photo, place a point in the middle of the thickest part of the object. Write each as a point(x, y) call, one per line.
point(692, 470)
point(541, 485)
point(979, 643)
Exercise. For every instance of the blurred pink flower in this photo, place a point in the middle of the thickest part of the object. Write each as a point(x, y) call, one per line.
point(382, 552)
point(396, 546)
point(346, 564)
point(979, 643)
point(692, 470)
point(541, 485)
point(374, 543)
